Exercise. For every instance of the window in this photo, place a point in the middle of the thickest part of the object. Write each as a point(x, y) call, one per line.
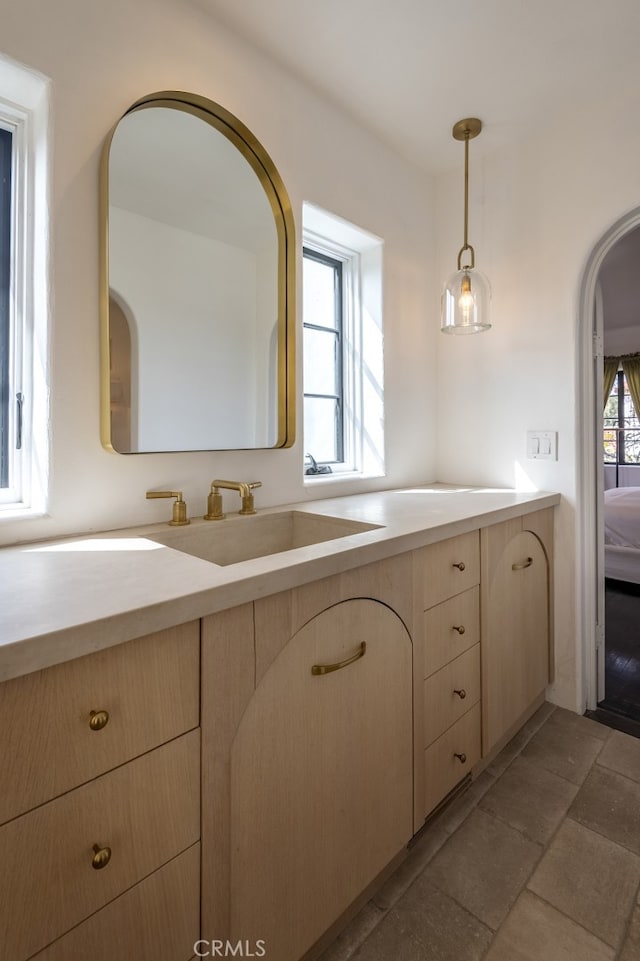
point(323, 349)
point(23, 290)
point(342, 349)
point(6, 150)
point(621, 425)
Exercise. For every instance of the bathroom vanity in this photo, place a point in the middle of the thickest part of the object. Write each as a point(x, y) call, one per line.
point(240, 750)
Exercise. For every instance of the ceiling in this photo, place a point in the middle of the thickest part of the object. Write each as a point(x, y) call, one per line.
point(408, 69)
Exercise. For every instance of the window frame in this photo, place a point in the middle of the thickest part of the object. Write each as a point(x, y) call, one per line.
point(18, 362)
point(621, 428)
point(351, 376)
point(6, 174)
point(338, 330)
point(25, 110)
point(361, 254)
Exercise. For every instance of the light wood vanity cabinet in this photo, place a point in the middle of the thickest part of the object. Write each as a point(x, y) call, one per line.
point(321, 776)
point(156, 919)
point(74, 721)
point(483, 623)
point(243, 794)
point(516, 621)
point(307, 785)
point(313, 776)
point(447, 679)
point(95, 813)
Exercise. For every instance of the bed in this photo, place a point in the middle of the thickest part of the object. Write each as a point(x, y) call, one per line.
point(622, 534)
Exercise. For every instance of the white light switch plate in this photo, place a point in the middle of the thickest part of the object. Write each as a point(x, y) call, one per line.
point(542, 444)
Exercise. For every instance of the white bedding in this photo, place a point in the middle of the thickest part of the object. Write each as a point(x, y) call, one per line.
point(622, 517)
point(622, 563)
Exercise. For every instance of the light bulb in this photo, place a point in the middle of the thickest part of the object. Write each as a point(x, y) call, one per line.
point(465, 300)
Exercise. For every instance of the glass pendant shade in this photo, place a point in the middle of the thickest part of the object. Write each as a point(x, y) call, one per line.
point(465, 302)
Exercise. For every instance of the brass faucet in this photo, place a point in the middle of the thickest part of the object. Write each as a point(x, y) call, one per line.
point(214, 500)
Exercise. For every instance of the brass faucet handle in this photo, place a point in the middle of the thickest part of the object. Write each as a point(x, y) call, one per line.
point(179, 514)
point(247, 497)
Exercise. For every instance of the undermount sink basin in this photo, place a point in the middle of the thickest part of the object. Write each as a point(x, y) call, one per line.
point(238, 539)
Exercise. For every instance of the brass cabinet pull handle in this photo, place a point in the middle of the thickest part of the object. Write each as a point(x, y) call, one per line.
point(461, 693)
point(328, 668)
point(459, 628)
point(461, 757)
point(522, 564)
point(461, 566)
point(98, 720)
point(101, 857)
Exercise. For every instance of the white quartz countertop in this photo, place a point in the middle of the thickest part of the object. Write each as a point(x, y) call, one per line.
point(62, 599)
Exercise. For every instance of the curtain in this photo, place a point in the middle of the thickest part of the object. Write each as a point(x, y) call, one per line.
point(611, 365)
point(631, 368)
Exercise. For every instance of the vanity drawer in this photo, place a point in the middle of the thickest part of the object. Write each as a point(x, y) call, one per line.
point(450, 567)
point(156, 920)
point(450, 629)
point(146, 812)
point(149, 688)
point(443, 770)
point(442, 705)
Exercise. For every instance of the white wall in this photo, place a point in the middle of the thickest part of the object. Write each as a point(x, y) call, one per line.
point(192, 301)
point(538, 211)
point(103, 57)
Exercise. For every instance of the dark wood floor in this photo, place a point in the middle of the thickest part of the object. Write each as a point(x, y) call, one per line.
point(622, 651)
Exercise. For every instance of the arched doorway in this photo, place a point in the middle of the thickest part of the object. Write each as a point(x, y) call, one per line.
point(590, 566)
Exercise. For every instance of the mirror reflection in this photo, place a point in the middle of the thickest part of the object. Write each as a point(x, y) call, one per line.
point(199, 253)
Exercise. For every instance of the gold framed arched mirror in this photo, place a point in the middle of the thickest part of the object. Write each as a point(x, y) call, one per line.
point(197, 283)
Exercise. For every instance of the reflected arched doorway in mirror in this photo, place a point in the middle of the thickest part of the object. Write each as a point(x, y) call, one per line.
point(122, 349)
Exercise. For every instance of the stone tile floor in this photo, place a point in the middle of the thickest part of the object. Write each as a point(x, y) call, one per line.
point(539, 859)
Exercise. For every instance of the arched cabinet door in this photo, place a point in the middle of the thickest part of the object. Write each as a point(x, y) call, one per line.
point(321, 777)
point(515, 628)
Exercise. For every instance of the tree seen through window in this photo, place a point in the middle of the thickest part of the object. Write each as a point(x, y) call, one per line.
point(621, 425)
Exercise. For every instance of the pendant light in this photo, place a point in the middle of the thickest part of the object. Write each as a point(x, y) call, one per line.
point(466, 296)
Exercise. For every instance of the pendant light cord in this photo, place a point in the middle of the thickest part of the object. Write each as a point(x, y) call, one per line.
point(466, 245)
point(466, 192)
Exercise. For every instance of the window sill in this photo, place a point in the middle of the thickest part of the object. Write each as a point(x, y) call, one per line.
point(19, 512)
point(337, 476)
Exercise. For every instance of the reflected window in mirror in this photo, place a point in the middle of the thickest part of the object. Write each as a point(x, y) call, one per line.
point(198, 285)
point(342, 349)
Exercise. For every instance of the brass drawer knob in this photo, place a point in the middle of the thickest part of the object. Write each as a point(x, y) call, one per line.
point(461, 566)
point(459, 628)
point(461, 757)
point(101, 857)
point(461, 693)
point(98, 720)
